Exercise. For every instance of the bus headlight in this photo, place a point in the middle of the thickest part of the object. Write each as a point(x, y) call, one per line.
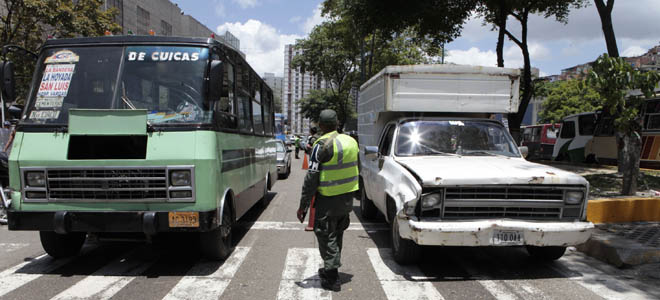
point(180, 178)
point(574, 197)
point(35, 179)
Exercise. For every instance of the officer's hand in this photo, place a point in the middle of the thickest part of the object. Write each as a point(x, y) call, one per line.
point(301, 215)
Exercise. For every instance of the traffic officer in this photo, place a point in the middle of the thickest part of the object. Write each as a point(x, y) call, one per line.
point(313, 136)
point(332, 177)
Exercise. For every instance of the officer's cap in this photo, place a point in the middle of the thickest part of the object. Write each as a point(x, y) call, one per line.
point(328, 117)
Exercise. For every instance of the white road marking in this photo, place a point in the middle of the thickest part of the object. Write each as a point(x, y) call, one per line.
point(300, 279)
point(19, 275)
point(264, 225)
point(602, 284)
point(107, 281)
point(9, 247)
point(208, 279)
point(394, 278)
point(497, 288)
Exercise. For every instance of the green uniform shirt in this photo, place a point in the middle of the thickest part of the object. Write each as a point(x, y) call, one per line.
point(332, 206)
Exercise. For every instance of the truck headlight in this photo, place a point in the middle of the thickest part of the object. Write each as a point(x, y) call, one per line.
point(431, 200)
point(574, 197)
point(180, 177)
point(35, 178)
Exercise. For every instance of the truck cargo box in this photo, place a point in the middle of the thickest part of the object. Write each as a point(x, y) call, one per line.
point(433, 89)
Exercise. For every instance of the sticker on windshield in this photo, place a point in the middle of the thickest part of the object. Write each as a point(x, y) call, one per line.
point(456, 123)
point(56, 80)
point(44, 114)
point(49, 102)
point(62, 56)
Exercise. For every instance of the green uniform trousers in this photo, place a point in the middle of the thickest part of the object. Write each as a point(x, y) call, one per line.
point(329, 232)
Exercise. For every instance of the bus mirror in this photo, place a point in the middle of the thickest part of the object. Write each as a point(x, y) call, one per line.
point(8, 83)
point(16, 111)
point(215, 80)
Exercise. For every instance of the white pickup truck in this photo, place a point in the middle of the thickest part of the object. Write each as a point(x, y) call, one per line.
point(443, 171)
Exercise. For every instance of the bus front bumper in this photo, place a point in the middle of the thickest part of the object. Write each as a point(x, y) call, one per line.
point(495, 232)
point(148, 222)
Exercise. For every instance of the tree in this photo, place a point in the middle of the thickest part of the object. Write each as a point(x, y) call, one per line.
point(318, 100)
point(28, 23)
point(564, 98)
point(605, 13)
point(614, 79)
point(496, 13)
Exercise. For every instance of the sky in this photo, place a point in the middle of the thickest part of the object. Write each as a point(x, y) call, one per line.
point(264, 27)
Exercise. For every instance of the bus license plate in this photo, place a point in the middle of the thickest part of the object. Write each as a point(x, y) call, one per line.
point(507, 237)
point(184, 219)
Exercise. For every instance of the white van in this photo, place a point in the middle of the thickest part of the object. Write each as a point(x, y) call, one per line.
point(576, 131)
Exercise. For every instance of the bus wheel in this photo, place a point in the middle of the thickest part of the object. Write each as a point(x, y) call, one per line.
point(62, 245)
point(217, 244)
point(264, 201)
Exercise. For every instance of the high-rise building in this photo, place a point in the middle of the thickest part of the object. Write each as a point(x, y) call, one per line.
point(275, 83)
point(296, 86)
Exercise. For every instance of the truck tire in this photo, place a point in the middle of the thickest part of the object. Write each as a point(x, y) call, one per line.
point(217, 244)
point(404, 251)
point(368, 210)
point(62, 245)
point(547, 253)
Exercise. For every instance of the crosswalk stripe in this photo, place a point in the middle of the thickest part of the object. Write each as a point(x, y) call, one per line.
point(265, 225)
point(497, 288)
point(21, 274)
point(9, 247)
point(300, 278)
point(107, 281)
point(197, 286)
point(603, 285)
point(394, 278)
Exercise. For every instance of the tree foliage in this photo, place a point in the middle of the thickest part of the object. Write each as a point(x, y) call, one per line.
point(614, 79)
point(28, 23)
point(564, 98)
point(318, 100)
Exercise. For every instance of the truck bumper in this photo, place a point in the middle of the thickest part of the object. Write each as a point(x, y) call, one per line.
point(482, 232)
point(148, 222)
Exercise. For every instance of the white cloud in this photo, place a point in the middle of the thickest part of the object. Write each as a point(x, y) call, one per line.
point(246, 3)
point(295, 19)
point(634, 51)
point(262, 44)
point(314, 20)
point(472, 56)
point(220, 9)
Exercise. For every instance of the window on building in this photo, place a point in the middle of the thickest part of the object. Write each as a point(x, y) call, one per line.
point(165, 28)
point(142, 21)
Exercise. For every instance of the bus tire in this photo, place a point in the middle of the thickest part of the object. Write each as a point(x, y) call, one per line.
point(404, 251)
point(368, 210)
point(264, 200)
point(217, 244)
point(547, 253)
point(62, 245)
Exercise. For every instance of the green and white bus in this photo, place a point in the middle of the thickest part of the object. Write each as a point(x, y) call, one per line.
point(140, 134)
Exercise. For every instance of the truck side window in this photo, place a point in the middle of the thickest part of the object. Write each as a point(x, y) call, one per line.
point(386, 144)
point(568, 130)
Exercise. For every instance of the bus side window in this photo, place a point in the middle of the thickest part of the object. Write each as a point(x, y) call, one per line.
point(225, 111)
point(243, 103)
point(267, 102)
point(567, 130)
point(587, 124)
point(257, 115)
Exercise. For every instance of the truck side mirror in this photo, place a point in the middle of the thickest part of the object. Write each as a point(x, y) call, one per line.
point(371, 152)
point(8, 83)
point(215, 80)
point(16, 111)
point(524, 151)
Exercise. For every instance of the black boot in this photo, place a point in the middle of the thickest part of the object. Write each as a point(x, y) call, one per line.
point(330, 279)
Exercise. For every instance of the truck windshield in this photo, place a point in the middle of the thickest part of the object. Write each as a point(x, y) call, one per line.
point(166, 81)
point(460, 137)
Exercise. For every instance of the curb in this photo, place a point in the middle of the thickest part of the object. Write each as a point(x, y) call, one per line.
point(618, 251)
point(623, 210)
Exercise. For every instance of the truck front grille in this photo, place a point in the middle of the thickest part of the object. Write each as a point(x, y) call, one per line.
point(149, 184)
point(512, 202)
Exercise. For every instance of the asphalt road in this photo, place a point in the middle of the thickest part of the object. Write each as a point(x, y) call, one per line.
point(276, 259)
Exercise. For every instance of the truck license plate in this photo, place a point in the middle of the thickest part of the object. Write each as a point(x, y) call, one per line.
point(184, 219)
point(507, 237)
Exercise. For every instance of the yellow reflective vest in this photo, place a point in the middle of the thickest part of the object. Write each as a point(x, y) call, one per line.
point(340, 174)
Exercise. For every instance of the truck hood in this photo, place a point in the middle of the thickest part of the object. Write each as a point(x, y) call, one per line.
point(482, 170)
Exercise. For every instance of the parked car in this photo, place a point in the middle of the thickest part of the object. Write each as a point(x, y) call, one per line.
point(283, 160)
point(540, 140)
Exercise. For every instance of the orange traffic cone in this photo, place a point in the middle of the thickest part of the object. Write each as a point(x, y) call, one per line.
point(305, 165)
point(312, 212)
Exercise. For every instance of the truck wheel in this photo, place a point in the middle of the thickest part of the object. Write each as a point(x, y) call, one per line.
point(367, 208)
point(62, 245)
point(405, 251)
point(547, 253)
point(217, 244)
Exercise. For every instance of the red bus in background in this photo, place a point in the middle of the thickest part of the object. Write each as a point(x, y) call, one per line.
point(540, 140)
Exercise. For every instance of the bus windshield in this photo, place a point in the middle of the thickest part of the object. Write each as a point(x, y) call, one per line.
point(167, 81)
point(459, 137)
